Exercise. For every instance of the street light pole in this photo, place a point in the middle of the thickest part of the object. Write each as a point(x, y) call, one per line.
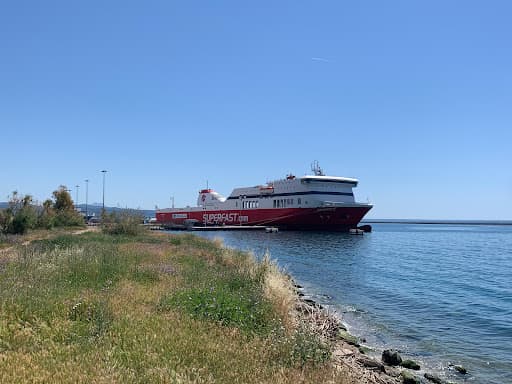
point(86, 199)
point(76, 201)
point(103, 209)
point(70, 191)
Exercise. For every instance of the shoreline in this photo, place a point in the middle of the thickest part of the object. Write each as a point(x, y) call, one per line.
point(351, 352)
point(439, 365)
point(348, 354)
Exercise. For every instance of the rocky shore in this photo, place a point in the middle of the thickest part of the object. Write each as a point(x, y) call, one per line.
point(351, 355)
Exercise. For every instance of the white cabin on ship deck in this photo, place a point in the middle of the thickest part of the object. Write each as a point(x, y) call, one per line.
point(292, 192)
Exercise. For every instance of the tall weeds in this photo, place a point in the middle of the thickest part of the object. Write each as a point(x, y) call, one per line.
point(150, 308)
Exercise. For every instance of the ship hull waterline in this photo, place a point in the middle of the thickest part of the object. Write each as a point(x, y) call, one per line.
point(311, 219)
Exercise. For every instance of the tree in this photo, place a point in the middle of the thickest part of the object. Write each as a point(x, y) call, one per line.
point(19, 216)
point(63, 201)
point(65, 213)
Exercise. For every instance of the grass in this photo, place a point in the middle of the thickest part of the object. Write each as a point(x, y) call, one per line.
point(225, 294)
point(150, 308)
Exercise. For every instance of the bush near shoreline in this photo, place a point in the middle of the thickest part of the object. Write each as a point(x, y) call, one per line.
point(98, 307)
point(22, 215)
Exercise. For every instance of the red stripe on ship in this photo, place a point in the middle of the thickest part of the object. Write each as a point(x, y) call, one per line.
point(334, 218)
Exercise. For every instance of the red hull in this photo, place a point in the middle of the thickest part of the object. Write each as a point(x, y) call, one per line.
point(327, 218)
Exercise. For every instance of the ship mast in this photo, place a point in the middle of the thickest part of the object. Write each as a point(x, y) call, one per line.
point(315, 167)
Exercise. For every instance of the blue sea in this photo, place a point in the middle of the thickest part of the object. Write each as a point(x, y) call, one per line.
point(439, 293)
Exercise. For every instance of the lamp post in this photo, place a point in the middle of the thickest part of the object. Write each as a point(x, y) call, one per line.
point(103, 205)
point(76, 201)
point(86, 199)
point(70, 191)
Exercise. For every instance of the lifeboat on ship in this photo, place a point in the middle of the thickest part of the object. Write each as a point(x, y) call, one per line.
point(267, 189)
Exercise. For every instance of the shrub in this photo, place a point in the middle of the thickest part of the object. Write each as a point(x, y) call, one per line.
point(122, 223)
point(19, 216)
point(67, 218)
point(46, 217)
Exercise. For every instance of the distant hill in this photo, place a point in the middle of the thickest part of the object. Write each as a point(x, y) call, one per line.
point(96, 209)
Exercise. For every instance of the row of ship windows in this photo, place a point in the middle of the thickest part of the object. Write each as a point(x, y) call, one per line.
point(250, 204)
point(277, 203)
point(283, 203)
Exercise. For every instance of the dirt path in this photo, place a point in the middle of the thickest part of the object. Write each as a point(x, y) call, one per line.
point(47, 235)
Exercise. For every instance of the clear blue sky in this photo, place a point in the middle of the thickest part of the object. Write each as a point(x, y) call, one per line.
point(413, 98)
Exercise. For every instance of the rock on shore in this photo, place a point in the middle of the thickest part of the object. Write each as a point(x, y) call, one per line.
point(410, 364)
point(391, 357)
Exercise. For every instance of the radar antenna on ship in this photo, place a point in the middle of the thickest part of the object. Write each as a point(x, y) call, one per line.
point(315, 167)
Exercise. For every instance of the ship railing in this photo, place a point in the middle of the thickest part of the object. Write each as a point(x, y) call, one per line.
point(341, 203)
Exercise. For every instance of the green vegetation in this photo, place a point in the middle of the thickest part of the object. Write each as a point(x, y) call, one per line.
point(19, 216)
point(22, 215)
point(145, 308)
point(230, 295)
point(122, 223)
point(63, 212)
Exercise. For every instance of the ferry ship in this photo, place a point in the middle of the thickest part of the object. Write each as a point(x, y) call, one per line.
point(310, 202)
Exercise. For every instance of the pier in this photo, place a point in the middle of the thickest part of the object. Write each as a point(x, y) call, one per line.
point(267, 229)
point(233, 228)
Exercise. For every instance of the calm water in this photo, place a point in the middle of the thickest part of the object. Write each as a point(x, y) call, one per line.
point(439, 293)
